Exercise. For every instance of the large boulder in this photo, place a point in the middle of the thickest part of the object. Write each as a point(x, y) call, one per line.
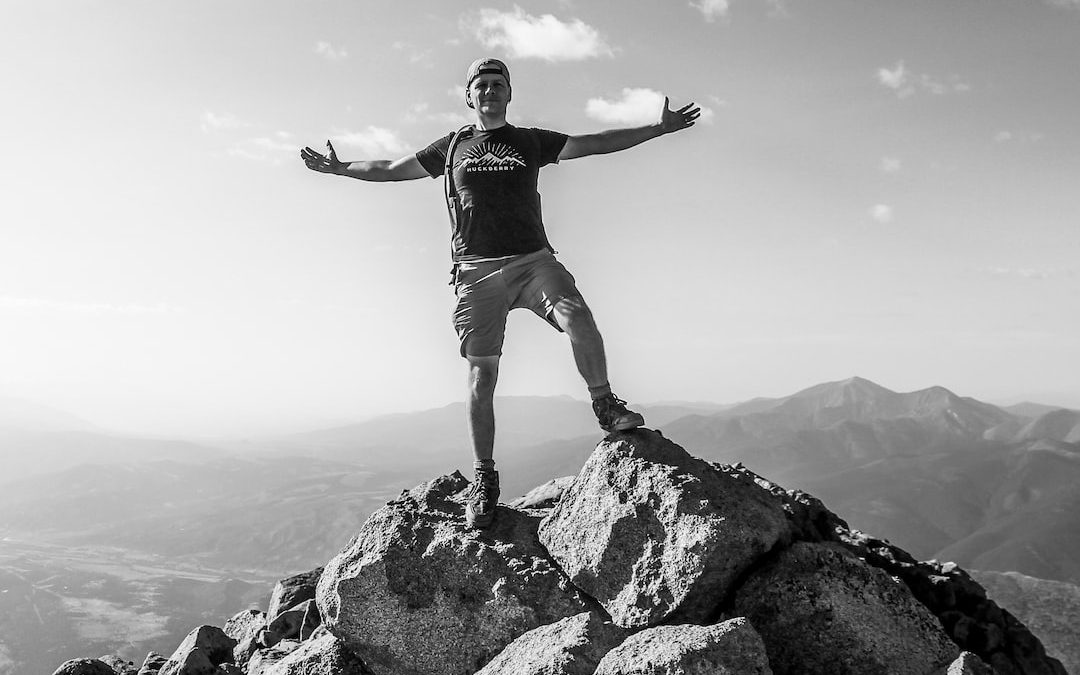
point(975, 622)
point(820, 609)
point(120, 666)
point(200, 653)
point(416, 592)
point(262, 661)
point(296, 623)
point(572, 646)
point(657, 535)
point(292, 591)
point(325, 655)
point(544, 496)
point(728, 648)
point(153, 663)
point(84, 667)
point(245, 624)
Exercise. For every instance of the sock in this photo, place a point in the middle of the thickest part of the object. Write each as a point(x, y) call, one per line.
point(484, 465)
point(600, 391)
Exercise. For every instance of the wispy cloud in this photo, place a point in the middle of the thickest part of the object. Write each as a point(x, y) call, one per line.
point(895, 79)
point(544, 37)
point(1046, 273)
point(211, 121)
point(1006, 136)
point(45, 305)
point(413, 53)
point(421, 112)
point(281, 141)
point(272, 148)
point(882, 213)
point(890, 164)
point(905, 83)
point(712, 9)
point(329, 51)
point(634, 106)
point(373, 141)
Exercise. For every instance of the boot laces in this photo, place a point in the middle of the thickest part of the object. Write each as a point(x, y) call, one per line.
point(484, 486)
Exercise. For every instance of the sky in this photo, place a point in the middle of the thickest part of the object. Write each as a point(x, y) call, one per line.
point(875, 188)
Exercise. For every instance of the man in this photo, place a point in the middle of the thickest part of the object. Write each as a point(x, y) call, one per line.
point(502, 258)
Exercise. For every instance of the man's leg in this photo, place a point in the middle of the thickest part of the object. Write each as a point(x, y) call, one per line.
point(479, 405)
point(480, 413)
point(576, 320)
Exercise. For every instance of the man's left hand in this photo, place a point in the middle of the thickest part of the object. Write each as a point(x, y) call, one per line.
point(677, 120)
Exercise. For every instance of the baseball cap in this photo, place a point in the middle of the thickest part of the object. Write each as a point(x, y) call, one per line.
point(486, 66)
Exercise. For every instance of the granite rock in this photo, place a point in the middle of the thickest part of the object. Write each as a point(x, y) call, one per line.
point(656, 535)
point(572, 646)
point(417, 592)
point(728, 648)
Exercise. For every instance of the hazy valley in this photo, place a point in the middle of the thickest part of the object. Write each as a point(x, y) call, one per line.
point(118, 544)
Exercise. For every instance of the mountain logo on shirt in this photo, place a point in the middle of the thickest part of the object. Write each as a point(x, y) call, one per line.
point(489, 156)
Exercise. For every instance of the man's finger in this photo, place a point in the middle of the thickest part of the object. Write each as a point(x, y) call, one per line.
point(333, 155)
point(667, 103)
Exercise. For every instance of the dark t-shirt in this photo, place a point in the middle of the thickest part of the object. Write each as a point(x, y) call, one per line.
point(495, 173)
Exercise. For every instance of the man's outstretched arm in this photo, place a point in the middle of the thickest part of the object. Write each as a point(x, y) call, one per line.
point(614, 140)
point(380, 170)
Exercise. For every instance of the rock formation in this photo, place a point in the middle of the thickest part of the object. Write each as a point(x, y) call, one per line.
point(649, 561)
point(416, 593)
point(655, 534)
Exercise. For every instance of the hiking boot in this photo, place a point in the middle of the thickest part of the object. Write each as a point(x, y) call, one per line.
point(483, 496)
point(612, 414)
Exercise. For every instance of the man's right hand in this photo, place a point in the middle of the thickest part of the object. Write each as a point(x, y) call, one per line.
point(328, 163)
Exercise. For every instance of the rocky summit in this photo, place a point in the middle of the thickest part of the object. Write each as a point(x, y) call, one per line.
point(649, 561)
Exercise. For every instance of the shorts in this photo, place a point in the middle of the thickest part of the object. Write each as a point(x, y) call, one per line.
point(487, 291)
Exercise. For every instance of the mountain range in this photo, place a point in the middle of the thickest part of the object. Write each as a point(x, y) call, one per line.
point(940, 475)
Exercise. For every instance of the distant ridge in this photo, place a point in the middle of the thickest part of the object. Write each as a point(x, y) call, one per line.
point(23, 415)
point(1030, 409)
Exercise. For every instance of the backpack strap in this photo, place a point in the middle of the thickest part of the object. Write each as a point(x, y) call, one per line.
point(450, 190)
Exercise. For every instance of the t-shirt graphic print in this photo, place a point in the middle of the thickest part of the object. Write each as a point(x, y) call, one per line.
point(495, 175)
point(491, 157)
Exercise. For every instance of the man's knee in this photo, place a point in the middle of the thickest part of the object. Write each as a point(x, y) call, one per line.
point(483, 374)
point(574, 316)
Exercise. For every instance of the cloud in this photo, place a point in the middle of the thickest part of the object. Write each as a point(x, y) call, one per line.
point(712, 9)
point(210, 121)
point(637, 106)
point(538, 37)
point(890, 164)
point(1030, 273)
point(882, 213)
point(279, 142)
point(272, 148)
point(413, 53)
point(905, 83)
point(329, 51)
point(895, 79)
point(373, 142)
point(41, 304)
point(421, 112)
point(1006, 136)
